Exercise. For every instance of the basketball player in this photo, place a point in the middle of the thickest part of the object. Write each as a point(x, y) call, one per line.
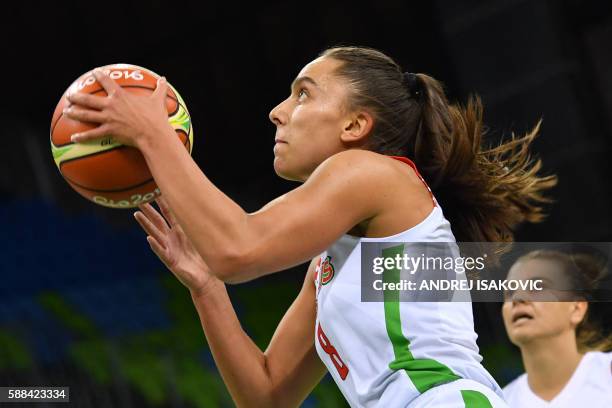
point(559, 341)
point(353, 130)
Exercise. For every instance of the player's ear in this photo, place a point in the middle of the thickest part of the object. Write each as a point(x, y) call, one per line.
point(578, 312)
point(357, 126)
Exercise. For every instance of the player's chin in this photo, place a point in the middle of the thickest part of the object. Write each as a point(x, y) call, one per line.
point(521, 335)
point(284, 170)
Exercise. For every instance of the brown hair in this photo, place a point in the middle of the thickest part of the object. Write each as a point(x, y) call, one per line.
point(585, 272)
point(485, 192)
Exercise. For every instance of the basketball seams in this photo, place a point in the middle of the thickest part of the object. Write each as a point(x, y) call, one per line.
point(114, 148)
point(121, 190)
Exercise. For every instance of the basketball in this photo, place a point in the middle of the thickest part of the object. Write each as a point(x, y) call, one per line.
point(103, 171)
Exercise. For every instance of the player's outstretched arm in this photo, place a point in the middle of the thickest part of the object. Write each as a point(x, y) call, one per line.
point(288, 370)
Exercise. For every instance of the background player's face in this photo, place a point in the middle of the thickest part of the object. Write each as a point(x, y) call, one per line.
point(527, 319)
point(310, 122)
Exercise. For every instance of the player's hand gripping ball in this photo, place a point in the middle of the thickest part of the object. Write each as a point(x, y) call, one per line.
point(102, 170)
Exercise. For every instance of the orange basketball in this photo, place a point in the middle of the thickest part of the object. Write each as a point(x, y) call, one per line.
point(103, 171)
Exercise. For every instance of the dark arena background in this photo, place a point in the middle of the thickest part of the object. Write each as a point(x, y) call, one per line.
point(84, 303)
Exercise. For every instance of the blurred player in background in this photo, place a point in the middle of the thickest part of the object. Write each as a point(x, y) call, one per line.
point(353, 130)
point(565, 349)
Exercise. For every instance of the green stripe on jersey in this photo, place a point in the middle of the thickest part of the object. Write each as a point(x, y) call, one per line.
point(475, 399)
point(424, 373)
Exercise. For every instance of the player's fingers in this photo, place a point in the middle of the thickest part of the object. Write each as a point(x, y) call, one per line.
point(166, 211)
point(110, 86)
point(148, 226)
point(95, 133)
point(155, 217)
point(84, 115)
point(161, 90)
point(159, 250)
point(87, 100)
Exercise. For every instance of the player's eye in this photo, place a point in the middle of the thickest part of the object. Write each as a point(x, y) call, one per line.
point(302, 92)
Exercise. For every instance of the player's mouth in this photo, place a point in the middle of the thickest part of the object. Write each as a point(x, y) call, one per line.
point(279, 140)
point(521, 316)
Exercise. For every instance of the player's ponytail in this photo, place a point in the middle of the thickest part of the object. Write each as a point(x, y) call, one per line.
point(485, 192)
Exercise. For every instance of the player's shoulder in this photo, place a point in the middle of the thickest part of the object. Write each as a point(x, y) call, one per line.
point(594, 380)
point(599, 361)
point(367, 180)
point(515, 388)
point(365, 164)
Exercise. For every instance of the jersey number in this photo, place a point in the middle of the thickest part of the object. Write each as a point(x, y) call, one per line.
point(332, 352)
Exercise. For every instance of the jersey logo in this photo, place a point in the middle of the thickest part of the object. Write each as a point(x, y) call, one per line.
point(327, 271)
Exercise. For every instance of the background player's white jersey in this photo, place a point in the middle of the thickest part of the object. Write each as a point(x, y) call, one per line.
point(386, 354)
point(590, 386)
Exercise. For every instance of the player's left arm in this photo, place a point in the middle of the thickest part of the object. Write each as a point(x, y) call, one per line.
point(343, 191)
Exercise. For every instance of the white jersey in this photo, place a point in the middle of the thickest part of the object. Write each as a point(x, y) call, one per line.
point(386, 354)
point(590, 386)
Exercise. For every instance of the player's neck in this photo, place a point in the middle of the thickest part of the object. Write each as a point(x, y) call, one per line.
point(550, 363)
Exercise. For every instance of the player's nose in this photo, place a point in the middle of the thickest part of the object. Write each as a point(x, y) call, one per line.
point(278, 115)
point(519, 297)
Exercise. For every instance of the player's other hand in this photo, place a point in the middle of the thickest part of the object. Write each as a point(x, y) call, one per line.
point(171, 245)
